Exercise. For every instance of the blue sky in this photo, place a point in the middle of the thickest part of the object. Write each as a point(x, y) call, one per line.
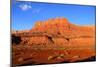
point(25, 14)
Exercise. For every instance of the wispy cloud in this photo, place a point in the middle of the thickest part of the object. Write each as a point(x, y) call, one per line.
point(25, 7)
point(36, 10)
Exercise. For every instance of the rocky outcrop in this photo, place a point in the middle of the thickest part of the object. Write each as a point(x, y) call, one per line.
point(53, 41)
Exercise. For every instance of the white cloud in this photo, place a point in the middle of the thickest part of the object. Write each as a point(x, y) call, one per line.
point(25, 7)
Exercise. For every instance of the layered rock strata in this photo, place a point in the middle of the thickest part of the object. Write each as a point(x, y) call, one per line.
point(53, 41)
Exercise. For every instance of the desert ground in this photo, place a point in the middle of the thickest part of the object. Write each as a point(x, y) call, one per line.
point(55, 40)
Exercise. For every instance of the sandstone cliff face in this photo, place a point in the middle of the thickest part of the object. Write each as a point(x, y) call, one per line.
point(63, 27)
point(53, 41)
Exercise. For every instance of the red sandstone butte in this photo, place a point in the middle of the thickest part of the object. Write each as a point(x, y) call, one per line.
point(53, 41)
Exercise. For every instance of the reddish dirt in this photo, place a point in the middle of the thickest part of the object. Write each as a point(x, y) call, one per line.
point(53, 41)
